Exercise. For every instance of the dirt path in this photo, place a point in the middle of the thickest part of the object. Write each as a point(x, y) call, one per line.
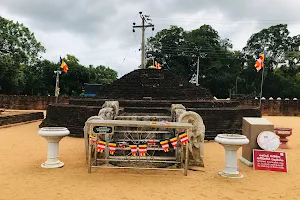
point(22, 151)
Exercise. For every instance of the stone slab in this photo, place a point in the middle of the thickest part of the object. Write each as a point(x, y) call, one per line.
point(251, 128)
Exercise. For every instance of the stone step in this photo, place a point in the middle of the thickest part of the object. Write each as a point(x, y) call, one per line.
point(144, 118)
point(166, 110)
point(160, 103)
point(141, 114)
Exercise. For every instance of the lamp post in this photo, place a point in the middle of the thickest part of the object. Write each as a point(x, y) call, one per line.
point(57, 72)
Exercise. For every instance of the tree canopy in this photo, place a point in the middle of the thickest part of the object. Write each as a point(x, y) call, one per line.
point(24, 72)
point(225, 71)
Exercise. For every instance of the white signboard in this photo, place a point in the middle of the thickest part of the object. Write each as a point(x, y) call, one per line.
point(268, 140)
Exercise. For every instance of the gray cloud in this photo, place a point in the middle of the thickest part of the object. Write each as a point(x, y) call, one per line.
point(101, 31)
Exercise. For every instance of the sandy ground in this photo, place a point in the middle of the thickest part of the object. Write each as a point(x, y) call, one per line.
point(22, 151)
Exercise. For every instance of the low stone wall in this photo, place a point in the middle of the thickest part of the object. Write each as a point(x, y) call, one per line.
point(21, 102)
point(71, 116)
point(269, 107)
point(216, 120)
point(275, 107)
point(225, 120)
point(19, 118)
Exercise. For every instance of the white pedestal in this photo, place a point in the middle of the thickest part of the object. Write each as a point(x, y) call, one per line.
point(53, 135)
point(231, 143)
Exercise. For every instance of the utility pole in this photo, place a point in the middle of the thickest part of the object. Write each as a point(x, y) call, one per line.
point(197, 80)
point(261, 86)
point(202, 55)
point(145, 19)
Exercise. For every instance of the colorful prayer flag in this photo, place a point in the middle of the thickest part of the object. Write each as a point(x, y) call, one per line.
point(122, 144)
point(142, 149)
point(133, 149)
point(173, 141)
point(93, 139)
point(260, 62)
point(184, 138)
point(157, 65)
point(63, 65)
point(112, 148)
point(151, 143)
point(101, 146)
point(165, 145)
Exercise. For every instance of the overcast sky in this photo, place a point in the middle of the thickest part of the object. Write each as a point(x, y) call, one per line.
point(99, 32)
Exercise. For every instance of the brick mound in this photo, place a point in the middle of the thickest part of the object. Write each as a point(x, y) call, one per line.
point(157, 84)
point(20, 118)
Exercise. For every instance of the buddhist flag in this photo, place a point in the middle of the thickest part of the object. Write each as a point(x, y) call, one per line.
point(157, 65)
point(93, 139)
point(142, 149)
point(173, 141)
point(260, 62)
point(101, 146)
point(63, 65)
point(151, 143)
point(133, 149)
point(122, 144)
point(112, 148)
point(165, 145)
point(184, 138)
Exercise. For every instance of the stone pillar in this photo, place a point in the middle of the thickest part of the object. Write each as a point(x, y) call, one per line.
point(252, 127)
point(109, 111)
point(196, 139)
point(114, 105)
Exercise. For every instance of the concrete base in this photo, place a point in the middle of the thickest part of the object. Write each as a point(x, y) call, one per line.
point(58, 164)
point(231, 175)
point(246, 162)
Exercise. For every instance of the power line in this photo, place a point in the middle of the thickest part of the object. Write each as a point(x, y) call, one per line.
point(134, 37)
point(227, 21)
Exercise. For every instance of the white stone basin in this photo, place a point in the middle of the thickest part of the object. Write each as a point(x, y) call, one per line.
point(53, 131)
point(231, 139)
point(231, 143)
point(53, 135)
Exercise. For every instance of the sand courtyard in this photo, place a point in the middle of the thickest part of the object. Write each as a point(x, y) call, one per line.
point(22, 151)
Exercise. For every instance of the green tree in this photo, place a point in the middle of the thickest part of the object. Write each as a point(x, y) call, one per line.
point(102, 75)
point(72, 82)
point(43, 80)
point(18, 50)
point(281, 62)
point(179, 49)
point(19, 43)
point(169, 47)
